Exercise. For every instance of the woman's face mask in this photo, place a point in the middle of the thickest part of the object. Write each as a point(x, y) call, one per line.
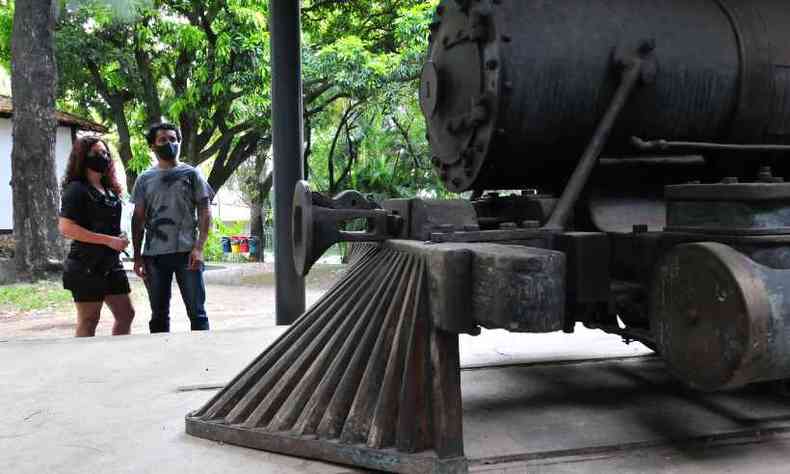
point(98, 161)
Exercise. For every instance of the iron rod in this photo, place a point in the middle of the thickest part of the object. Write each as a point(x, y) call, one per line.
point(287, 133)
point(665, 145)
point(570, 195)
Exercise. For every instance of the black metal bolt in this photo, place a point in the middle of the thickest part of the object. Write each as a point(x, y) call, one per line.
point(765, 175)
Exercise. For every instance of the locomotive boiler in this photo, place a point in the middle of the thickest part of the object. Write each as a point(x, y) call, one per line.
point(513, 91)
point(622, 167)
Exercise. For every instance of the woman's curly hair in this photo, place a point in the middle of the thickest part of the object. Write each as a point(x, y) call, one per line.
point(75, 169)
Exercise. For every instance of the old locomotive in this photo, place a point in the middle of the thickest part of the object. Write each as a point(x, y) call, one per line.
point(646, 143)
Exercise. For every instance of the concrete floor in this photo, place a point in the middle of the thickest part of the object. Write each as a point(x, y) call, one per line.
point(116, 405)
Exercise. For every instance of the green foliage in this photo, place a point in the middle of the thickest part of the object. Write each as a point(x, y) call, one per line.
point(213, 250)
point(373, 52)
point(6, 28)
point(34, 296)
point(208, 62)
point(200, 63)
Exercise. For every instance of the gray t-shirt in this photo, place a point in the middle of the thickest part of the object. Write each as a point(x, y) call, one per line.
point(171, 198)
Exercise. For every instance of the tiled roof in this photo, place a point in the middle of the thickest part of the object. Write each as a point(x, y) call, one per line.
point(64, 118)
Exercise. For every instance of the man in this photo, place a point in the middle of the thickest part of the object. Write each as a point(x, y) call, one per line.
point(171, 208)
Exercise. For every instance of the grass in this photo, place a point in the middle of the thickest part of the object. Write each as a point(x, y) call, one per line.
point(34, 296)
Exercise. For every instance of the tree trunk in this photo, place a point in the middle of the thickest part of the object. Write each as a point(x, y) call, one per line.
point(35, 188)
point(256, 208)
point(308, 149)
point(124, 142)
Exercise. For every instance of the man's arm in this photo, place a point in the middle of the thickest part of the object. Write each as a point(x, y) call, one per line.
point(204, 223)
point(138, 231)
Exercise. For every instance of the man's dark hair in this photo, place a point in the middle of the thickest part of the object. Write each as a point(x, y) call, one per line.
point(154, 129)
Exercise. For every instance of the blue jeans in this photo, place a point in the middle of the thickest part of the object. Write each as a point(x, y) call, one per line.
point(159, 271)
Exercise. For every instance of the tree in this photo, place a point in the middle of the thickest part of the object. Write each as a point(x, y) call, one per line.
point(202, 63)
point(35, 189)
point(205, 64)
point(254, 181)
point(367, 129)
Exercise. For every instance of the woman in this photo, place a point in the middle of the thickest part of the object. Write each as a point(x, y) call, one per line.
point(90, 216)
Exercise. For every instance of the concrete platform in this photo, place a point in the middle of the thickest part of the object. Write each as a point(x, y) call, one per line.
point(117, 405)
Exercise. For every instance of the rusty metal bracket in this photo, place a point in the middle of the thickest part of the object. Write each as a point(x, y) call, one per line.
point(362, 378)
point(317, 222)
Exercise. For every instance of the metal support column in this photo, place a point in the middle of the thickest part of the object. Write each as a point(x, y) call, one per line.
point(287, 133)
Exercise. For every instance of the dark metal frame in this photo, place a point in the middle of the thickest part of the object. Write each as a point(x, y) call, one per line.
point(287, 133)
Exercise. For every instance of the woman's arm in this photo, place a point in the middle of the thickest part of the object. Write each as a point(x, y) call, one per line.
point(71, 230)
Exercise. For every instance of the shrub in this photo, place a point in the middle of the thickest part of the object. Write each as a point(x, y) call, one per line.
point(213, 251)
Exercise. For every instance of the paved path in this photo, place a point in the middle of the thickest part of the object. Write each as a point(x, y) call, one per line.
point(237, 296)
point(117, 405)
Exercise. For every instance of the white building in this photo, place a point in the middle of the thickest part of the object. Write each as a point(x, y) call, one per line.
point(68, 125)
point(229, 207)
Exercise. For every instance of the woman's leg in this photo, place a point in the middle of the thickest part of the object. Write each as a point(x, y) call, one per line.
point(87, 318)
point(123, 311)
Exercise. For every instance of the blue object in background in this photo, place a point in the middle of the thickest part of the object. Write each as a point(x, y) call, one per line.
point(253, 242)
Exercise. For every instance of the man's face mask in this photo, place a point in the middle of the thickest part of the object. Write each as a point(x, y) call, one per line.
point(168, 151)
point(98, 162)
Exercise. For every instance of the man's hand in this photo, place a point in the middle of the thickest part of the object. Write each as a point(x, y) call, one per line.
point(195, 259)
point(117, 243)
point(139, 267)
